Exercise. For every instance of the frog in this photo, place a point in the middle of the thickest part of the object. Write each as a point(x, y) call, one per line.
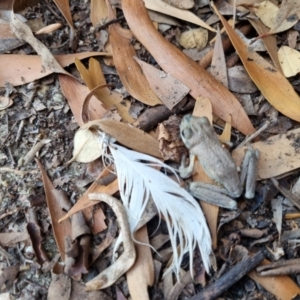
point(203, 143)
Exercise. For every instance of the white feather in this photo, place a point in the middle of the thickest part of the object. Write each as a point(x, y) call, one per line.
point(138, 180)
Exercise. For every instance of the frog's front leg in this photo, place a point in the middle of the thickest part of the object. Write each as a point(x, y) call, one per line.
point(186, 172)
point(212, 194)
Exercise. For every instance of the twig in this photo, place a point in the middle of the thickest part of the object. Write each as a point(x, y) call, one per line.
point(154, 115)
point(7, 255)
point(249, 138)
point(13, 162)
point(31, 154)
point(17, 172)
point(103, 26)
point(285, 267)
point(230, 278)
point(20, 129)
point(278, 264)
point(287, 193)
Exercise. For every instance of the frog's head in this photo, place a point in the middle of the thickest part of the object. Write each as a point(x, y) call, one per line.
point(191, 127)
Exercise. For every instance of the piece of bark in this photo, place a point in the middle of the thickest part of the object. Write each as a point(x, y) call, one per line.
point(230, 278)
point(154, 115)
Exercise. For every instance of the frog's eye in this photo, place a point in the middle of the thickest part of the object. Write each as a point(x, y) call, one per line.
point(186, 133)
point(204, 121)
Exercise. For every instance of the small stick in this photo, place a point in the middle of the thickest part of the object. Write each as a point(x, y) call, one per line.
point(249, 138)
point(230, 278)
point(32, 152)
point(103, 26)
point(285, 270)
point(20, 129)
point(13, 162)
point(287, 193)
point(278, 264)
point(7, 255)
point(16, 172)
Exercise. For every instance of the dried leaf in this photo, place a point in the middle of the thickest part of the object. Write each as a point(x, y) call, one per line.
point(290, 61)
point(168, 89)
point(128, 69)
point(283, 146)
point(75, 93)
point(239, 81)
point(21, 69)
point(8, 40)
point(164, 8)
point(282, 287)
point(187, 71)
point(128, 136)
point(23, 32)
point(182, 4)
point(60, 288)
point(141, 275)
point(63, 6)
point(35, 234)
point(268, 40)
point(94, 78)
point(8, 239)
point(79, 292)
point(194, 38)
point(218, 64)
point(5, 102)
point(287, 16)
point(267, 12)
point(282, 96)
point(99, 14)
point(7, 277)
point(86, 146)
point(257, 45)
point(54, 202)
point(85, 114)
point(84, 202)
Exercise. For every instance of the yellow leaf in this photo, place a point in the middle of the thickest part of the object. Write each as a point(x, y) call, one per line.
point(290, 61)
point(267, 12)
point(93, 78)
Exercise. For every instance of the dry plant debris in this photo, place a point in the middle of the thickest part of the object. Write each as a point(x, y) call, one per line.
point(92, 94)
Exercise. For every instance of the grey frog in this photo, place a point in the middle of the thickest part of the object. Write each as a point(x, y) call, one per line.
point(200, 138)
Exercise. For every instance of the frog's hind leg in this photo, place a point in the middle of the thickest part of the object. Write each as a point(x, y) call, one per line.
point(212, 194)
point(249, 171)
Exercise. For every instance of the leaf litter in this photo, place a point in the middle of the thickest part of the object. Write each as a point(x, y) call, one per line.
point(38, 122)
